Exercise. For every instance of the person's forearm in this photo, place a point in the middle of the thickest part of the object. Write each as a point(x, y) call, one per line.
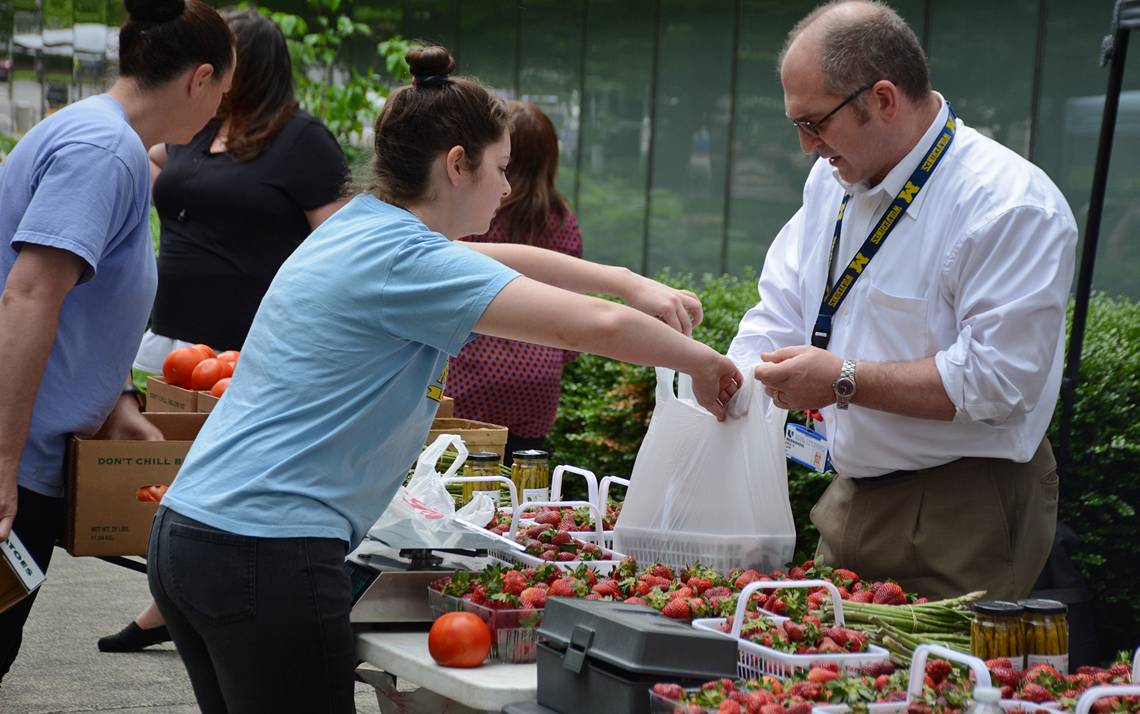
point(912, 389)
point(28, 328)
point(630, 336)
point(560, 270)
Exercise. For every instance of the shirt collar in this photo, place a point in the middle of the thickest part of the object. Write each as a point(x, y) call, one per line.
point(893, 182)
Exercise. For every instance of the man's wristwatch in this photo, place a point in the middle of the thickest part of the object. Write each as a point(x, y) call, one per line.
point(844, 385)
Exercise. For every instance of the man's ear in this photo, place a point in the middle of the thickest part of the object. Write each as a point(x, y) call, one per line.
point(202, 75)
point(885, 97)
point(456, 162)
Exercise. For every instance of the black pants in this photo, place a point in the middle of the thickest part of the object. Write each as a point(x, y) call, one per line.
point(39, 522)
point(260, 623)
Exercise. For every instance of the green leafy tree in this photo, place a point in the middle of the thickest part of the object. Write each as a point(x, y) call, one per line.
point(344, 97)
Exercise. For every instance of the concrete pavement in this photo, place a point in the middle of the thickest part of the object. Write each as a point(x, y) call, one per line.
point(61, 670)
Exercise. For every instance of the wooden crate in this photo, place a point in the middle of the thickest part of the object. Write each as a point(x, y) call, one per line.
point(477, 435)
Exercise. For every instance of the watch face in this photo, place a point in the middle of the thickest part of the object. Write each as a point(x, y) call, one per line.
point(844, 387)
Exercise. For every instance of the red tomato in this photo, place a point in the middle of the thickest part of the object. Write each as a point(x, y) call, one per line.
point(179, 366)
point(207, 373)
point(207, 351)
point(227, 368)
point(220, 387)
point(229, 356)
point(459, 639)
point(152, 493)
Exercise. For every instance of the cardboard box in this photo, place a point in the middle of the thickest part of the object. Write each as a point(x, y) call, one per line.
point(163, 397)
point(207, 402)
point(20, 575)
point(446, 408)
point(477, 435)
point(104, 513)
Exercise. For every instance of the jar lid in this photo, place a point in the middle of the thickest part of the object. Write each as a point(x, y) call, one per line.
point(482, 456)
point(531, 454)
point(1045, 607)
point(998, 607)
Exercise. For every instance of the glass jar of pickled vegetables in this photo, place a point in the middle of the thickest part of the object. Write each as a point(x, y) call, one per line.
point(531, 473)
point(1046, 624)
point(482, 463)
point(997, 631)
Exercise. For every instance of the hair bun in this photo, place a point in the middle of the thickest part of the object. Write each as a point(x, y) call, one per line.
point(430, 61)
point(154, 11)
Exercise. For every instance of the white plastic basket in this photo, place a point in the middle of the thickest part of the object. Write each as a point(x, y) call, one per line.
point(510, 555)
point(755, 660)
point(918, 674)
point(1092, 694)
point(720, 552)
point(588, 535)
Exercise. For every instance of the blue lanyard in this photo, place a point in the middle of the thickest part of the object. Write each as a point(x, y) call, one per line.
point(835, 293)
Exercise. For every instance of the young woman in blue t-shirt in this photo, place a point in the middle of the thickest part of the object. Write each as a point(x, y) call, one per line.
point(339, 380)
point(77, 264)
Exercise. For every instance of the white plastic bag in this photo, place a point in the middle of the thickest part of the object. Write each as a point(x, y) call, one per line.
point(709, 491)
point(422, 513)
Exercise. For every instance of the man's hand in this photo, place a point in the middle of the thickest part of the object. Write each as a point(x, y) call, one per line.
point(799, 377)
point(126, 422)
point(715, 383)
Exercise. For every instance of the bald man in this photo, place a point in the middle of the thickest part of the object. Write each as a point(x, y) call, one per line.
point(917, 298)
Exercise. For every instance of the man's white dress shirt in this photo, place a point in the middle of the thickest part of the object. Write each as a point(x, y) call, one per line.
point(976, 273)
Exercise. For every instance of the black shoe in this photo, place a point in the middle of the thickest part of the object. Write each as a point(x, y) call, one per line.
point(133, 638)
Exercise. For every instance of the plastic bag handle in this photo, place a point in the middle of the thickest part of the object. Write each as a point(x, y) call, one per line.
point(1090, 695)
point(531, 505)
point(918, 667)
point(435, 449)
point(556, 482)
point(487, 479)
point(758, 397)
point(604, 495)
point(750, 588)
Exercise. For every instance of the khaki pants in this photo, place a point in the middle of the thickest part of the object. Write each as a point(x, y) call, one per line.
point(972, 524)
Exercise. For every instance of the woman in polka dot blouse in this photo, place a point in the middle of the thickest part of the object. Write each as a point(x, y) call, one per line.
point(517, 384)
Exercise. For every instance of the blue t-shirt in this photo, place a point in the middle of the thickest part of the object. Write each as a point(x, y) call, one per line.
point(80, 181)
point(339, 378)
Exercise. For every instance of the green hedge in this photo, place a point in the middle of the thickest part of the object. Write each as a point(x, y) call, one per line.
point(606, 406)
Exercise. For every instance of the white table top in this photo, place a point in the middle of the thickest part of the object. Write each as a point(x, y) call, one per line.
point(490, 687)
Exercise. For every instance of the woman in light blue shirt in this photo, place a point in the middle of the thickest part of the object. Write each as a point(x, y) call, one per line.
point(77, 263)
point(338, 383)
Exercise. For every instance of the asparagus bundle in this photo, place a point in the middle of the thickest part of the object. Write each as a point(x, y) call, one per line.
point(901, 628)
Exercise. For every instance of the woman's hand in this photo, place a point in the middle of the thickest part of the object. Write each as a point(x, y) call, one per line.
point(126, 422)
point(714, 384)
point(679, 309)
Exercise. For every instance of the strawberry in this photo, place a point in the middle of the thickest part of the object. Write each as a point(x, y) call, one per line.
point(662, 571)
point(794, 631)
point(1106, 705)
point(890, 594)
point(719, 591)
point(821, 675)
point(674, 692)
point(938, 669)
point(1119, 670)
point(594, 596)
point(729, 706)
point(748, 576)
point(550, 518)
point(565, 587)
point(565, 557)
point(677, 608)
point(636, 601)
point(607, 588)
point(772, 708)
point(699, 585)
point(842, 576)
point(1035, 693)
point(533, 598)
point(1005, 676)
point(882, 682)
point(1000, 662)
point(863, 596)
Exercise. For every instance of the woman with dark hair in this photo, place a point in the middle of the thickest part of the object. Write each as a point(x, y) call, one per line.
point(234, 203)
point(339, 380)
point(77, 263)
point(517, 384)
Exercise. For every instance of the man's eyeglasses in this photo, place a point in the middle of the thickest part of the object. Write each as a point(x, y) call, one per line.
point(813, 127)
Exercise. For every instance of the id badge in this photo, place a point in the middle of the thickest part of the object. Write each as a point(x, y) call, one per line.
point(806, 447)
